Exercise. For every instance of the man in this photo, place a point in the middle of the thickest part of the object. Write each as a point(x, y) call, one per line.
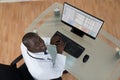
point(38, 60)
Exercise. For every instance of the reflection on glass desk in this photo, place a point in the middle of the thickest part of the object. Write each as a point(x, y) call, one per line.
point(102, 62)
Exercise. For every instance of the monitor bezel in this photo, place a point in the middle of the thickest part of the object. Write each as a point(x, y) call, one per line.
point(77, 28)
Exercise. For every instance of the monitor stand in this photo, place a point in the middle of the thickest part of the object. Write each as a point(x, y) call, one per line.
point(77, 32)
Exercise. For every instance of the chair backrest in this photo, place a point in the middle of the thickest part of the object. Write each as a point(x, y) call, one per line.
point(8, 73)
point(12, 72)
point(24, 73)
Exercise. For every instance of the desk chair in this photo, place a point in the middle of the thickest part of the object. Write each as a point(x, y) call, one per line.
point(12, 72)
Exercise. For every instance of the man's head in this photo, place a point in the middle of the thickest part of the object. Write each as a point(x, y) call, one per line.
point(33, 42)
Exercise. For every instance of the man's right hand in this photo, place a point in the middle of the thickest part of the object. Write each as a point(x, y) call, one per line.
point(60, 44)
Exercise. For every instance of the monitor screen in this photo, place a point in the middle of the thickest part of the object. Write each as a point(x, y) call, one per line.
point(80, 21)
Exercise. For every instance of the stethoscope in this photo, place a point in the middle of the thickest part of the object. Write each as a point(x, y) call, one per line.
point(39, 58)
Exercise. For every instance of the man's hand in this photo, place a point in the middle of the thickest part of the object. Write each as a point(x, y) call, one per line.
point(56, 40)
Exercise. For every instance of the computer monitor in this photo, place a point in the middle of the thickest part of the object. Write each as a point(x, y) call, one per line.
point(81, 21)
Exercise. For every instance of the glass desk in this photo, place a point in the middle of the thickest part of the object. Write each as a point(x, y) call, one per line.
point(102, 62)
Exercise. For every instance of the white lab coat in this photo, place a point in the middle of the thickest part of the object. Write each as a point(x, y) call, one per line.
point(43, 69)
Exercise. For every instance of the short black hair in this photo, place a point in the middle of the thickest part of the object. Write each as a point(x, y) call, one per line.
point(27, 37)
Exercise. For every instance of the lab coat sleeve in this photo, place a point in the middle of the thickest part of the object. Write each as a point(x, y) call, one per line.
point(60, 64)
point(46, 40)
point(55, 71)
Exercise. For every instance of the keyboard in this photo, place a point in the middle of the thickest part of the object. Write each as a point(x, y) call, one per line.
point(71, 47)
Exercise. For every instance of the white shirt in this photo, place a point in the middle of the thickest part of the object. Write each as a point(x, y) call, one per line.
point(43, 68)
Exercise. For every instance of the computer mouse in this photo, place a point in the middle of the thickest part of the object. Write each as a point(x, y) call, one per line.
point(85, 58)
